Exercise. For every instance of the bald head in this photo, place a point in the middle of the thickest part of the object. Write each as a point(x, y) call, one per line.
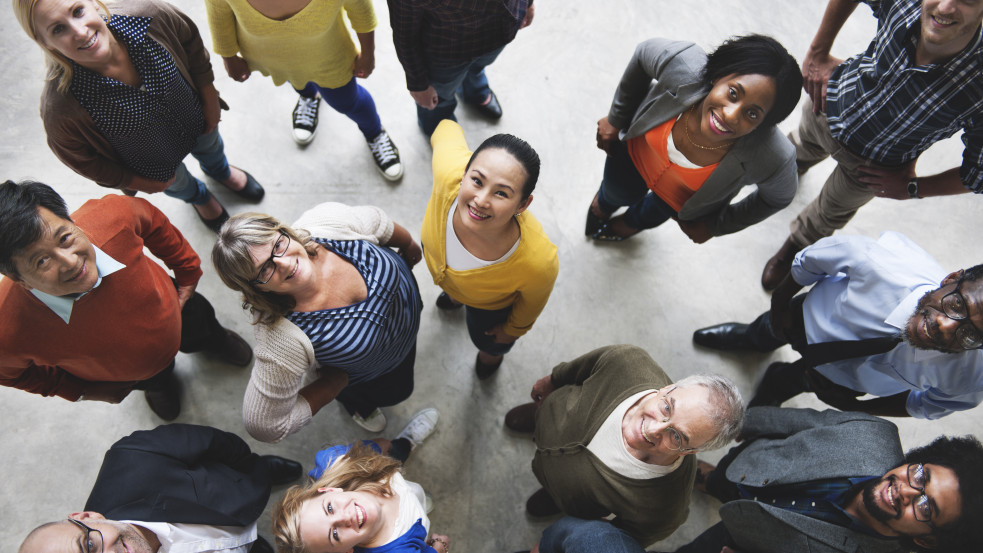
point(89, 532)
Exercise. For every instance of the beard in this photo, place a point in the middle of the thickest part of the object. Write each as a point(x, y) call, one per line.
point(870, 500)
point(920, 309)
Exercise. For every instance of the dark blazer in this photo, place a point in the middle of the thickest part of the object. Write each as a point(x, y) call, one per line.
point(181, 473)
point(800, 445)
point(662, 80)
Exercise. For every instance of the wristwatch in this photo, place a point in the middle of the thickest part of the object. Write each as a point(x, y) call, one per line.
point(913, 189)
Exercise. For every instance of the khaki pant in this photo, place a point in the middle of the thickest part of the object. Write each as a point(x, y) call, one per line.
point(842, 195)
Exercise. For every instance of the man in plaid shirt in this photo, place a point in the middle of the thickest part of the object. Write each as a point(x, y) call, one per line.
point(919, 81)
point(444, 47)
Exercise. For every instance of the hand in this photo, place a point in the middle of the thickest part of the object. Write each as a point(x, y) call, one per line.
point(816, 70)
point(184, 294)
point(237, 68)
point(426, 99)
point(501, 337)
point(542, 389)
point(109, 392)
point(607, 134)
point(696, 230)
point(364, 65)
point(149, 186)
point(440, 543)
point(530, 14)
point(210, 107)
point(412, 253)
point(888, 183)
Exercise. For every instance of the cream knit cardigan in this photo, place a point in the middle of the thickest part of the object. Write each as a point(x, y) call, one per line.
point(272, 409)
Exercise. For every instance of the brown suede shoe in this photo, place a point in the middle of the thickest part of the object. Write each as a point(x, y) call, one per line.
point(522, 419)
point(703, 470)
point(541, 505)
point(231, 348)
point(779, 265)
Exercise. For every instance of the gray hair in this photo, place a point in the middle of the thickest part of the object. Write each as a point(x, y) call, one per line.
point(725, 408)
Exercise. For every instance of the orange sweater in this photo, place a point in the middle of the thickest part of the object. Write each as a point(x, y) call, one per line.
point(128, 329)
point(674, 184)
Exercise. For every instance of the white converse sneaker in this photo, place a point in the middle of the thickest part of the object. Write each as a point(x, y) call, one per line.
point(422, 425)
point(305, 119)
point(386, 156)
point(375, 423)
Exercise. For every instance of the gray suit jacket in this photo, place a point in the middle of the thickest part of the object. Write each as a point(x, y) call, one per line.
point(662, 81)
point(799, 445)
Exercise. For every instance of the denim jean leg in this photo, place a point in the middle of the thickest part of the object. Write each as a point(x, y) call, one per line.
point(355, 103)
point(187, 188)
point(574, 535)
point(445, 81)
point(621, 184)
point(648, 213)
point(209, 150)
point(474, 88)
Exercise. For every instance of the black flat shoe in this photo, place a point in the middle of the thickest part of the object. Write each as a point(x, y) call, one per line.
point(253, 191)
point(594, 223)
point(491, 110)
point(605, 234)
point(445, 302)
point(216, 223)
point(282, 470)
point(723, 337)
point(485, 370)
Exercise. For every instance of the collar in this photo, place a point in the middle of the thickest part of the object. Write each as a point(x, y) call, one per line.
point(899, 319)
point(62, 305)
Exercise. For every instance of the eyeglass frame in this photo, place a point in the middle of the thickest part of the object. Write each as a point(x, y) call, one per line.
point(957, 317)
point(273, 255)
point(669, 426)
point(922, 498)
point(88, 532)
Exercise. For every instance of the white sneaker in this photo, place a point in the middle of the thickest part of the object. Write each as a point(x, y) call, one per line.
point(386, 156)
point(422, 425)
point(375, 423)
point(305, 119)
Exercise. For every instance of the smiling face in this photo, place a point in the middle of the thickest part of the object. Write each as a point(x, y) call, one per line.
point(949, 25)
point(649, 435)
point(74, 29)
point(336, 521)
point(930, 328)
point(291, 271)
point(66, 537)
point(491, 191)
point(61, 262)
point(735, 106)
point(890, 501)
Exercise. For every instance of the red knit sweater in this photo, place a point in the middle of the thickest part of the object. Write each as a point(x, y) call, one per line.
point(125, 330)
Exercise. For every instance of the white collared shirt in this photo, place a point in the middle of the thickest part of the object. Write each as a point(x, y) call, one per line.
point(62, 305)
point(200, 538)
point(868, 288)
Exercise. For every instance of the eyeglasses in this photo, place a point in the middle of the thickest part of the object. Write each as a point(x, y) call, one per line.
point(954, 306)
point(267, 269)
point(675, 438)
point(93, 538)
point(921, 505)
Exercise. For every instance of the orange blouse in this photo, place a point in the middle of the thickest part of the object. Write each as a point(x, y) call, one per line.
point(674, 184)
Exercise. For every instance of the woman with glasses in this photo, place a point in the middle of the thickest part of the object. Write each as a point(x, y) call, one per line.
point(336, 312)
point(129, 96)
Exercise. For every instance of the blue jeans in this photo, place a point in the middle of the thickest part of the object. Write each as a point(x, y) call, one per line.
point(209, 150)
point(574, 535)
point(467, 79)
point(352, 101)
point(481, 320)
point(623, 185)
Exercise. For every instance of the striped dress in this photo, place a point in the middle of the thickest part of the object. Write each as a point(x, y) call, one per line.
point(369, 338)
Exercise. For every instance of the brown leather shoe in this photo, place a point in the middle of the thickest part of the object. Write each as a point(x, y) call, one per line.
point(703, 470)
point(779, 265)
point(231, 348)
point(541, 505)
point(522, 419)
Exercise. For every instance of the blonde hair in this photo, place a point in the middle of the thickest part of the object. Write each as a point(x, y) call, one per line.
point(59, 67)
point(359, 470)
point(230, 256)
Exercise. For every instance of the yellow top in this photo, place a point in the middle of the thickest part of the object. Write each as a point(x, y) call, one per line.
point(524, 280)
point(315, 44)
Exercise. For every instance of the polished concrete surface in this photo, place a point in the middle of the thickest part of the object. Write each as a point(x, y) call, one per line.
point(554, 81)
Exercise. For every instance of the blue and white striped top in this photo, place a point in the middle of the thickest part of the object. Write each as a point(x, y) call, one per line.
point(369, 338)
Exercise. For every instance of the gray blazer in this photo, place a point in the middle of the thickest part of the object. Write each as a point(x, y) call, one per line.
point(799, 445)
point(662, 81)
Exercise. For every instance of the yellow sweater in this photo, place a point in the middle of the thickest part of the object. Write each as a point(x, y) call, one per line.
point(314, 44)
point(524, 280)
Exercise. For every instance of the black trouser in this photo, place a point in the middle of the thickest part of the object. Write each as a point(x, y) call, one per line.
point(388, 389)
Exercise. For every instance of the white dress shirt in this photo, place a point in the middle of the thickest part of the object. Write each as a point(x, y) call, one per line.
point(200, 538)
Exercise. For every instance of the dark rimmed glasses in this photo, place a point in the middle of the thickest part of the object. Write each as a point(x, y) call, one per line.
point(93, 538)
point(921, 504)
point(954, 306)
point(267, 269)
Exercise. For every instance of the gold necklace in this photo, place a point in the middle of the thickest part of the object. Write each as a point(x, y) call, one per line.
point(690, 138)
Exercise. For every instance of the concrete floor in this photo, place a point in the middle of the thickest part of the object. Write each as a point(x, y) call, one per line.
point(554, 82)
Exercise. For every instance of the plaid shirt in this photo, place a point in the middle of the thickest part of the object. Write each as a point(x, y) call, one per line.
point(444, 33)
point(889, 111)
